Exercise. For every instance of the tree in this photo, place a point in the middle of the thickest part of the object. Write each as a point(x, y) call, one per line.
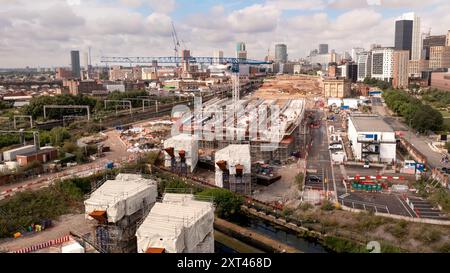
point(36, 106)
point(227, 203)
point(58, 135)
point(421, 117)
point(426, 118)
point(5, 105)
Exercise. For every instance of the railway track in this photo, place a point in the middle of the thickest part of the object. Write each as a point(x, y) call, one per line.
point(123, 116)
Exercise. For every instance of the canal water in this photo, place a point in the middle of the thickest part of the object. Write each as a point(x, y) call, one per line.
point(273, 231)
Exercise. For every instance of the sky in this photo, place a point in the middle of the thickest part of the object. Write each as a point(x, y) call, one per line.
point(41, 33)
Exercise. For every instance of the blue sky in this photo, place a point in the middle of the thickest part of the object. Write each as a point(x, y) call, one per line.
point(43, 32)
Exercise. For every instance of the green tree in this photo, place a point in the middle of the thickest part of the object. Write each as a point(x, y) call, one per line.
point(36, 106)
point(228, 204)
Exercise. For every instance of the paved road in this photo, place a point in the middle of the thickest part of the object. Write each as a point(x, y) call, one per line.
point(418, 141)
point(319, 157)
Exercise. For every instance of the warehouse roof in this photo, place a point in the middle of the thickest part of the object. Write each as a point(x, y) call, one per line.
point(369, 123)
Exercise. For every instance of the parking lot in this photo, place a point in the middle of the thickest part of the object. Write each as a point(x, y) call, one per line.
point(320, 175)
point(377, 202)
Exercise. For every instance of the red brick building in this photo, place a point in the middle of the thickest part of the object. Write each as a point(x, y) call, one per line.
point(63, 73)
point(82, 87)
point(44, 155)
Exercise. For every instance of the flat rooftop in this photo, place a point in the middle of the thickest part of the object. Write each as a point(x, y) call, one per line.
point(370, 124)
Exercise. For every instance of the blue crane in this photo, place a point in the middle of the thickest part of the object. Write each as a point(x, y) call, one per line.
point(175, 60)
point(233, 62)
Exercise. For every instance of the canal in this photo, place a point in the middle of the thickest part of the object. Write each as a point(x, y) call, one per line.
point(227, 244)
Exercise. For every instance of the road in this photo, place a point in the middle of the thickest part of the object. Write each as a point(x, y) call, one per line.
point(61, 227)
point(319, 157)
point(418, 141)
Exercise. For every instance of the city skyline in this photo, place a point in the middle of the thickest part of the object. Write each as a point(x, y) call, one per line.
point(42, 34)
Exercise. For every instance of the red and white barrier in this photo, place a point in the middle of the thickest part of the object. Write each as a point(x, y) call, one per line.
point(66, 174)
point(377, 177)
point(43, 245)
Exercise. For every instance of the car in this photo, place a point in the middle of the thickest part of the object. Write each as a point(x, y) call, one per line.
point(335, 146)
point(313, 178)
point(366, 165)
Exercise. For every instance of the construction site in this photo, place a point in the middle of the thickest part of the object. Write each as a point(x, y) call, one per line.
point(240, 141)
point(147, 136)
point(290, 87)
point(129, 217)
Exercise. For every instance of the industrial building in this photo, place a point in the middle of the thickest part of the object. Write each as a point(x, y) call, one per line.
point(11, 155)
point(118, 205)
point(179, 224)
point(233, 168)
point(371, 138)
point(181, 153)
point(42, 155)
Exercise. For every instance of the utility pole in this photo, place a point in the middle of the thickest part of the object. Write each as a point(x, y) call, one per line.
point(410, 129)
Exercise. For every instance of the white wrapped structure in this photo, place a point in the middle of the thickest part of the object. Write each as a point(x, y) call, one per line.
point(232, 155)
point(73, 247)
point(178, 224)
point(124, 196)
point(182, 142)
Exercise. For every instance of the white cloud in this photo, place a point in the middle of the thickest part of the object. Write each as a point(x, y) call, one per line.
point(131, 3)
point(162, 6)
point(358, 19)
point(296, 4)
point(255, 18)
point(43, 32)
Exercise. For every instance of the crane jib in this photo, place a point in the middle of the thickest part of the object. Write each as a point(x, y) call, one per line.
point(204, 60)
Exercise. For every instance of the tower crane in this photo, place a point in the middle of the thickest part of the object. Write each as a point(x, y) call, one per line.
point(176, 42)
point(232, 62)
